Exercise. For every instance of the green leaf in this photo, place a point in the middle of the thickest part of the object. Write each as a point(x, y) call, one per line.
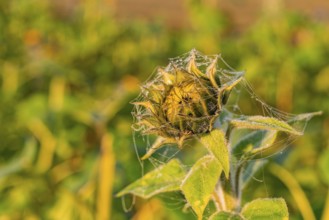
point(200, 183)
point(269, 209)
point(226, 216)
point(260, 139)
point(20, 162)
point(324, 166)
point(165, 178)
point(264, 123)
point(216, 144)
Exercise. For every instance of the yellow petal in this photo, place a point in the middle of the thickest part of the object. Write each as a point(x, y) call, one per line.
point(168, 78)
point(181, 76)
point(147, 105)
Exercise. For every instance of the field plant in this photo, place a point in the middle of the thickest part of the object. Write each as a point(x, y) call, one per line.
point(188, 103)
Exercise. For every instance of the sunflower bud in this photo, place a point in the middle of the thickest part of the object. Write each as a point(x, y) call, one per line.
point(183, 99)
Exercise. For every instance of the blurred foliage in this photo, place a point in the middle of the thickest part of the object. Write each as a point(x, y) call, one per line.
point(68, 73)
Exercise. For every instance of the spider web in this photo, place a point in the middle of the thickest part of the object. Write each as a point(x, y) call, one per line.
point(241, 96)
point(242, 102)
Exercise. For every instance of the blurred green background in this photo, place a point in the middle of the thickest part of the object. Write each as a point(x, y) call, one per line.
point(68, 70)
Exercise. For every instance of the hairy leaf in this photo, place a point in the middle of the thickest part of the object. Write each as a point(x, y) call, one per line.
point(270, 209)
point(200, 183)
point(166, 178)
point(216, 143)
point(226, 216)
point(264, 123)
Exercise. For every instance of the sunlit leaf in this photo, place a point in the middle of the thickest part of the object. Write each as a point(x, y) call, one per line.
point(200, 183)
point(264, 123)
point(217, 145)
point(269, 209)
point(226, 216)
point(165, 178)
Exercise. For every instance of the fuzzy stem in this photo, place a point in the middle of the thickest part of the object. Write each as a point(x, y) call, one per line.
point(236, 185)
point(217, 201)
point(229, 131)
point(221, 196)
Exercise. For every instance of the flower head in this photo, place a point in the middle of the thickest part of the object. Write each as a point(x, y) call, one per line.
point(183, 99)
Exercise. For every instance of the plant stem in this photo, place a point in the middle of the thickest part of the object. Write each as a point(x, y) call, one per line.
point(236, 185)
point(217, 201)
point(229, 131)
point(221, 196)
